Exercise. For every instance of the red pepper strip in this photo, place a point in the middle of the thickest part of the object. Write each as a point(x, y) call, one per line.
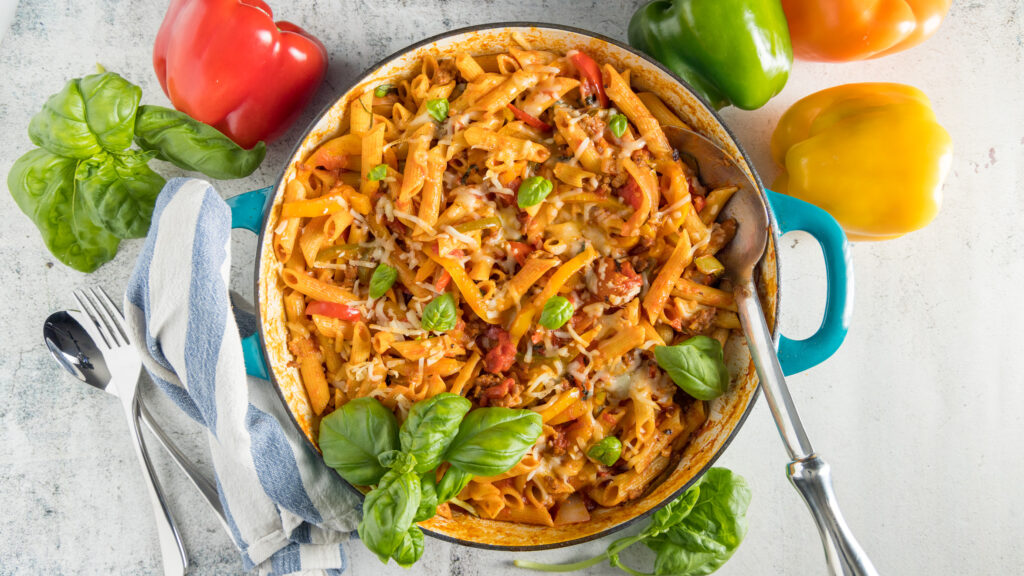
point(698, 203)
point(631, 193)
point(530, 119)
point(591, 81)
point(339, 311)
point(442, 281)
point(519, 251)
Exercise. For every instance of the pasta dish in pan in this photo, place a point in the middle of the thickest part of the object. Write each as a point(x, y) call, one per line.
point(514, 228)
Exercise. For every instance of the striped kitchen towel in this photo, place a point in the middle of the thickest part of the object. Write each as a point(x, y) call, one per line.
point(287, 511)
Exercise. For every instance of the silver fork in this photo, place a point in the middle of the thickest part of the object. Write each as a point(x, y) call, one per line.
point(125, 372)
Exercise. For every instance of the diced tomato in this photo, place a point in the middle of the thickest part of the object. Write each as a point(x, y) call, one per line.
point(698, 202)
point(442, 281)
point(590, 77)
point(631, 193)
point(520, 250)
point(530, 119)
point(339, 311)
point(501, 357)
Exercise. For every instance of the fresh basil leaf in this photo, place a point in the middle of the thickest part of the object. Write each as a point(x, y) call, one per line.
point(705, 538)
point(388, 511)
point(453, 481)
point(377, 173)
point(44, 187)
point(533, 191)
point(617, 124)
point(192, 145)
point(353, 437)
point(697, 366)
point(492, 440)
point(382, 90)
point(397, 460)
point(411, 548)
point(431, 426)
point(88, 116)
point(673, 512)
point(121, 189)
point(556, 312)
point(439, 315)
point(606, 451)
point(383, 278)
point(428, 497)
point(438, 108)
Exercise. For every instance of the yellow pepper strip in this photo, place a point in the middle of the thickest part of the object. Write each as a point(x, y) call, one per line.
point(871, 154)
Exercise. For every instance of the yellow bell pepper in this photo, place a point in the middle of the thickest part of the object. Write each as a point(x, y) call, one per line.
point(870, 154)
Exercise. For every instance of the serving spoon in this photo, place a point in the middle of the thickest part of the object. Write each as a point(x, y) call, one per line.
point(808, 472)
point(74, 349)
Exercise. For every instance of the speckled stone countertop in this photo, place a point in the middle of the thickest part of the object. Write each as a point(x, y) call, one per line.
point(920, 411)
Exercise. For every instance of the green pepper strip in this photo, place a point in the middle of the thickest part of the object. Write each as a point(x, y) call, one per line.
point(332, 252)
point(489, 222)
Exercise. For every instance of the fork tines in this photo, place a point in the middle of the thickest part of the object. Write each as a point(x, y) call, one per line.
point(104, 314)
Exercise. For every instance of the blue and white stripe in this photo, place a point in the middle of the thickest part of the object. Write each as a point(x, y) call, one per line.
point(288, 513)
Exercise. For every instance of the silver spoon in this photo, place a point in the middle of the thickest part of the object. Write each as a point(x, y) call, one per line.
point(73, 348)
point(808, 472)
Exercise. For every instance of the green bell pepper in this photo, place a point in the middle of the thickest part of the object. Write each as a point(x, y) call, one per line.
point(730, 51)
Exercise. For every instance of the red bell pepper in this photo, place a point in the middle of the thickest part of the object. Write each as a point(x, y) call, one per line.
point(530, 119)
point(591, 81)
point(334, 310)
point(228, 64)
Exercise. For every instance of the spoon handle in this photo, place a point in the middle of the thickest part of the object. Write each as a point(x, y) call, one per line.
point(206, 487)
point(808, 472)
point(172, 551)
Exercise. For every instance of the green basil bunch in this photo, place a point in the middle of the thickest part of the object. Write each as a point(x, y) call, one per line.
point(363, 442)
point(86, 189)
point(693, 535)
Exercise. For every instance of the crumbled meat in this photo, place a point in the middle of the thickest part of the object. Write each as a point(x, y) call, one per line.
point(502, 353)
point(593, 126)
point(559, 444)
point(494, 390)
point(699, 321)
point(698, 202)
point(613, 283)
point(446, 72)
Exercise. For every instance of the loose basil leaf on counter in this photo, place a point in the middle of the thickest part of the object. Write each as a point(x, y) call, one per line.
point(606, 451)
point(353, 437)
point(492, 440)
point(121, 189)
point(383, 278)
point(697, 366)
point(88, 116)
point(617, 124)
point(43, 186)
point(439, 315)
point(189, 144)
point(533, 191)
point(705, 538)
point(673, 513)
point(431, 426)
point(428, 497)
point(438, 108)
point(388, 512)
point(411, 548)
point(453, 481)
point(556, 312)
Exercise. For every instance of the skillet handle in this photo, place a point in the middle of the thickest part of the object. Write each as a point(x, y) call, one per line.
point(794, 214)
point(247, 212)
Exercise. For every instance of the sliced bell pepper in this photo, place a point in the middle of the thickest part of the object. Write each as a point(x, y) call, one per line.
point(872, 155)
point(846, 30)
point(529, 119)
point(729, 51)
point(591, 81)
point(334, 310)
point(228, 64)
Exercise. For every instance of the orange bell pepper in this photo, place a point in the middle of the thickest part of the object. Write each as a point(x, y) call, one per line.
point(846, 30)
point(870, 154)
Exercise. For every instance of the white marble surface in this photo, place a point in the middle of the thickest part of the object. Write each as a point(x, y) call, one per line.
point(920, 412)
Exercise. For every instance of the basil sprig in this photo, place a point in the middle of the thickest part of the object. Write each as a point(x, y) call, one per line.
point(556, 312)
point(363, 442)
point(693, 535)
point(440, 314)
point(606, 451)
point(438, 108)
point(617, 125)
point(533, 191)
point(697, 366)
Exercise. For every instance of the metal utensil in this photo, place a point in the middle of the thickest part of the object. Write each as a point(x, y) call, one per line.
point(108, 340)
point(73, 348)
point(808, 472)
